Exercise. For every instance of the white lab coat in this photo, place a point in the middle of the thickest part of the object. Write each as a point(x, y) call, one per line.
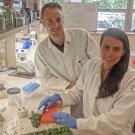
point(54, 68)
point(113, 115)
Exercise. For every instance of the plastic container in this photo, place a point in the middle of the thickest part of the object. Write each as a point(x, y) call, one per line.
point(13, 94)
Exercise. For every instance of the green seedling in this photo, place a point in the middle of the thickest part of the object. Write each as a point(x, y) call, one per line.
point(53, 131)
point(35, 119)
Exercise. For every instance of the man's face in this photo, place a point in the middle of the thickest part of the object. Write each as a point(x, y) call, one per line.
point(53, 21)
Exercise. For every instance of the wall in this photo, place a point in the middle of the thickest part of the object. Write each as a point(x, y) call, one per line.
point(30, 4)
point(80, 15)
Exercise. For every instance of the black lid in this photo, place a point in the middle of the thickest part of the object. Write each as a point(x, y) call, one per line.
point(13, 90)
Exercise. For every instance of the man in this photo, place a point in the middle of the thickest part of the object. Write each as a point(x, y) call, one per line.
point(59, 58)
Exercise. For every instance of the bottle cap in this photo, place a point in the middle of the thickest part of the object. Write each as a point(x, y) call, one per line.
point(14, 90)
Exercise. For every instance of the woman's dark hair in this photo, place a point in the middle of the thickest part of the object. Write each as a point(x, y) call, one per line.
point(115, 75)
point(50, 5)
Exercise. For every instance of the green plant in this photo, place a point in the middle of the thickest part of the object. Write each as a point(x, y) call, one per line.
point(53, 131)
point(35, 119)
point(56, 130)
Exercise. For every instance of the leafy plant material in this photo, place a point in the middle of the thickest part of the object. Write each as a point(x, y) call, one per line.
point(35, 119)
point(53, 131)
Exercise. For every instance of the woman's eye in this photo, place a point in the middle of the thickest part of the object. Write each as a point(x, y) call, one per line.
point(117, 49)
point(106, 47)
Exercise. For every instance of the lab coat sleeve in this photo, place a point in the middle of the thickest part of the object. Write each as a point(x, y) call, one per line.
point(48, 80)
point(75, 94)
point(113, 121)
point(93, 49)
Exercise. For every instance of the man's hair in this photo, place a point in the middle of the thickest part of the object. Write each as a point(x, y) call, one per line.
point(50, 5)
point(111, 85)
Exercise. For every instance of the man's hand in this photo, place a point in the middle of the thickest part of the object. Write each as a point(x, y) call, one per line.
point(72, 83)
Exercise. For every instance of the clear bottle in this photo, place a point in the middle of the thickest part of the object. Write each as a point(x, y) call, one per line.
point(14, 94)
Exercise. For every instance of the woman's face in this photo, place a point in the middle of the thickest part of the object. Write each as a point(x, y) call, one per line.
point(112, 50)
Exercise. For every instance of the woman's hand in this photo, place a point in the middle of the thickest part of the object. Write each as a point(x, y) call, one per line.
point(49, 101)
point(65, 118)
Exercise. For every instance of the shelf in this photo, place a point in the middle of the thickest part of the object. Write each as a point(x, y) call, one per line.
point(16, 30)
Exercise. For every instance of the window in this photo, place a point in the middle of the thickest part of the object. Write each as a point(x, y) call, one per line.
point(133, 23)
point(110, 19)
point(114, 13)
point(133, 18)
point(112, 4)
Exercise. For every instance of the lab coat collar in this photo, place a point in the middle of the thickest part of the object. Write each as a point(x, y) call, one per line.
point(67, 39)
point(67, 36)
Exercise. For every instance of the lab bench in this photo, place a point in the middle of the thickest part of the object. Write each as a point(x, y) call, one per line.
point(30, 101)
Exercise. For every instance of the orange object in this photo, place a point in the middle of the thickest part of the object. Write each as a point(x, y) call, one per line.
point(134, 61)
point(47, 115)
point(1, 62)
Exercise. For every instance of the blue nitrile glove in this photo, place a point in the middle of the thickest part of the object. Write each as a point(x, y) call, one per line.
point(65, 118)
point(48, 101)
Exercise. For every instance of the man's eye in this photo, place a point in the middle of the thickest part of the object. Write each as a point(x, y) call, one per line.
point(59, 20)
point(50, 21)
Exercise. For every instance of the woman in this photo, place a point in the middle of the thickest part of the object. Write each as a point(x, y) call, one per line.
point(107, 87)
